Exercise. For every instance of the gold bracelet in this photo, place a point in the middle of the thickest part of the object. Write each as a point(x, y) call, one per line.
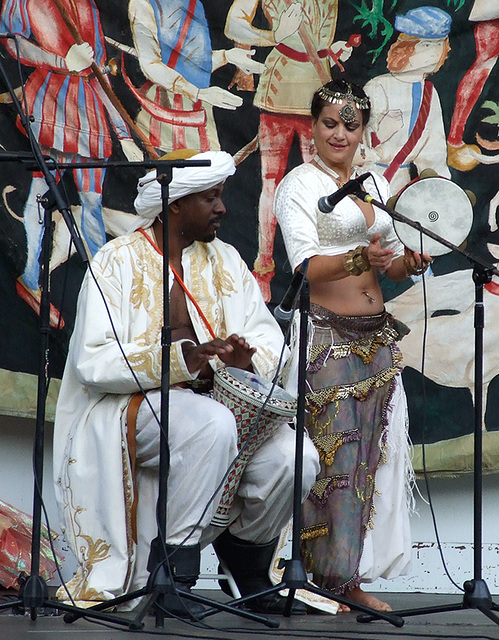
point(354, 261)
point(414, 271)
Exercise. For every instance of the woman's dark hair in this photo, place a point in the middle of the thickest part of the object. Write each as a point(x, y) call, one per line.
point(341, 86)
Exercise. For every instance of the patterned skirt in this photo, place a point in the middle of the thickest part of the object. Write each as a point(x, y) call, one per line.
point(351, 373)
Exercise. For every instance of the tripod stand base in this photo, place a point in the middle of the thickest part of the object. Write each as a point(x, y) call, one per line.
point(153, 595)
point(476, 596)
point(33, 596)
point(295, 577)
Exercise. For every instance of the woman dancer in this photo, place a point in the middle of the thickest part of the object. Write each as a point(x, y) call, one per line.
point(355, 521)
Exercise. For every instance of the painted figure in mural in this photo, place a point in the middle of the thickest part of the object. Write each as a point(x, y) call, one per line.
point(214, 300)
point(173, 46)
point(356, 519)
point(486, 15)
point(406, 124)
point(301, 34)
point(71, 114)
point(449, 338)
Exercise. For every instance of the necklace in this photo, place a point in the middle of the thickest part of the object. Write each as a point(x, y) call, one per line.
point(322, 165)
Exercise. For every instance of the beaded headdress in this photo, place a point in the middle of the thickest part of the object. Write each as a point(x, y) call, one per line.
point(347, 112)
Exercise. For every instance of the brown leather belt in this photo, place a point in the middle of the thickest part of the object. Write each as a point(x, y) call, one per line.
point(131, 431)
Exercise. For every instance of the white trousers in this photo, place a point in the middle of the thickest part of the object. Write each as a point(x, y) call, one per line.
point(202, 438)
point(387, 546)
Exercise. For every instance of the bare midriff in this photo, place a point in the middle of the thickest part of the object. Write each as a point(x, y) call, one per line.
point(350, 296)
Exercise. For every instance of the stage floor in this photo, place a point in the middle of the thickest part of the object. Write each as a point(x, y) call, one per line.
point(463, 623)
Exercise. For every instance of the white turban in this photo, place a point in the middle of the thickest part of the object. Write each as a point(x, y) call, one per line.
point(185, 181)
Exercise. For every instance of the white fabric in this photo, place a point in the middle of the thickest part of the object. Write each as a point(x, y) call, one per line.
point(203, 443)
point(91, 465)
point(387, 546)
point(484, 10)
point(186, 180)
point(308, 232)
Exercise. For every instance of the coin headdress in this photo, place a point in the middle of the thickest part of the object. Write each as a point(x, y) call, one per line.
point(347, 112)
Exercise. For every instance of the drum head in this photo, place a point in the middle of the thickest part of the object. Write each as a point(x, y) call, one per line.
point(439, 205)
point(259, 386)
point(251, 392)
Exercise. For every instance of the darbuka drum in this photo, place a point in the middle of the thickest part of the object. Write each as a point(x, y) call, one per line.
point(245, 393)
point(439, 205)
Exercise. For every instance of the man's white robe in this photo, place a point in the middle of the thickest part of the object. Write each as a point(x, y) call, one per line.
point(92, 471)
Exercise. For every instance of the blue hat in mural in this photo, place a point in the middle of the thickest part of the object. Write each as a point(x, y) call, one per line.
point(424, 22)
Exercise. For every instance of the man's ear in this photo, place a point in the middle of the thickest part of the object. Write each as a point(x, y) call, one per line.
point(174, 207)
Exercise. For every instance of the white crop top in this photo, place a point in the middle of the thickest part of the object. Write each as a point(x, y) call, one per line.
point(308, 232)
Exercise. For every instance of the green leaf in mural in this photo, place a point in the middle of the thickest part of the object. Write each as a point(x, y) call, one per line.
point(372, 17)
point(455, 4)
point(491, 106)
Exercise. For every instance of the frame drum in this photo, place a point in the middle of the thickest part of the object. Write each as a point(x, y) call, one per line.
point(440, 206)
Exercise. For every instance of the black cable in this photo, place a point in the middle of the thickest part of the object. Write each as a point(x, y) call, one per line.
point(423, 435)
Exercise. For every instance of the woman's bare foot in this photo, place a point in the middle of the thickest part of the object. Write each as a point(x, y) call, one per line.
point(367, 599)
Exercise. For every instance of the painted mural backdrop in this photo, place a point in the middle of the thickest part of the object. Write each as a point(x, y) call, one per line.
point(123, 80)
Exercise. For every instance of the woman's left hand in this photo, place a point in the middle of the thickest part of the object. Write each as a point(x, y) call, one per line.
point(415, 261)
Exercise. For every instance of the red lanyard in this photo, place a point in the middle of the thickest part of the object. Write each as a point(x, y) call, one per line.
point(182, 284)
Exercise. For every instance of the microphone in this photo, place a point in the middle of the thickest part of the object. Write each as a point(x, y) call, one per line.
point(327, 203)
point(7, 35)
point(284, 310)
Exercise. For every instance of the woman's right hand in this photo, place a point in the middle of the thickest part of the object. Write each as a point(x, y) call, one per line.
point(377, 256)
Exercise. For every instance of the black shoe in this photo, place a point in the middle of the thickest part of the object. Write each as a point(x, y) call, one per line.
point(184, 564)
point(179, 607)
point(274, 604)
point(249, 565)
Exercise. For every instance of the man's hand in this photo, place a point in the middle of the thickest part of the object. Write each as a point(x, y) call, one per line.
point(342, 50)
point(241, 353)
point(218, 97)
point(198, 356)
point(234, 352)
point(242, 58)
point(289, 22)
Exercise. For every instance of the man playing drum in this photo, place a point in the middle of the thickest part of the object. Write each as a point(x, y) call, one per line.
point(106, 453)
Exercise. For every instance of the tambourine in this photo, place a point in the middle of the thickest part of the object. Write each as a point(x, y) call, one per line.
point(244, 393)
point(439, 205)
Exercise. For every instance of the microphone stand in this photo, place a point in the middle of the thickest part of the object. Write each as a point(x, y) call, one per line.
point(294, 576)
point(34, 593)
point(476, 592)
